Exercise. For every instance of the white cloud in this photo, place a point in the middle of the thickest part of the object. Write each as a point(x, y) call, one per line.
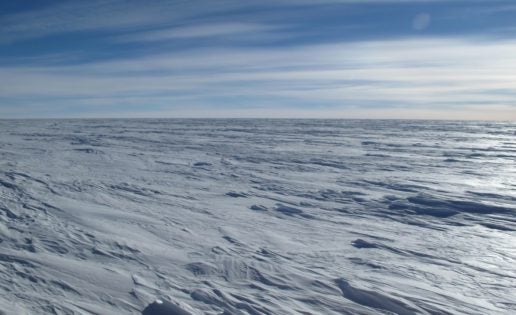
point(133, 15)
point(198, 31)
point(424, 75)
point(112, 15)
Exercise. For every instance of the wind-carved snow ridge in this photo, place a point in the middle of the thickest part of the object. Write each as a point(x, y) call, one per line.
point(257, 217)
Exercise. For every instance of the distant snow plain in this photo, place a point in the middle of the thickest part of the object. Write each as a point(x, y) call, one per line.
point(257, 217)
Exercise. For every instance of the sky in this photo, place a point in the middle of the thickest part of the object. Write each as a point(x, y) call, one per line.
point(426, 59)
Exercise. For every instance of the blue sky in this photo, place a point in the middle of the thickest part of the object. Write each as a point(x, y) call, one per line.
point(272, 58)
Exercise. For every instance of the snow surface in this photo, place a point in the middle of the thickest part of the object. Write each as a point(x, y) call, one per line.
point(257, 217)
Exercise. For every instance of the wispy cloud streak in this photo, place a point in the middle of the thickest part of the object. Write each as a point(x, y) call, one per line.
point(439, 73)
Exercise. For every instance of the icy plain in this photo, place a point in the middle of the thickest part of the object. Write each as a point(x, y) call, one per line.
point(257, 217)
